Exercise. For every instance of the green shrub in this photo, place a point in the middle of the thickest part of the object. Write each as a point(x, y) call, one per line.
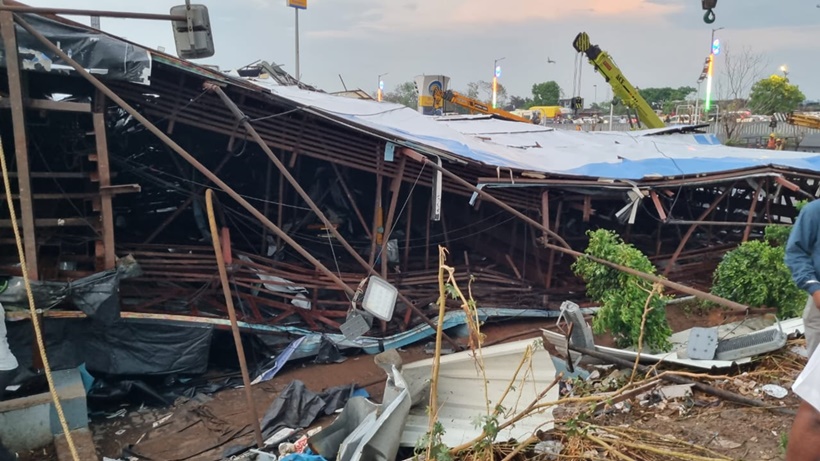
point(755, 274)
point(777, 235)
point(623, 296)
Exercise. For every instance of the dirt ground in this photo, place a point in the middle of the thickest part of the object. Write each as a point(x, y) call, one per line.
point(740, 433)
point(112, 435)
point(733, 430)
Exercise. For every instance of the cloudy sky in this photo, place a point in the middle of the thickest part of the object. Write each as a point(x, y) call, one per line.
point(655, 42)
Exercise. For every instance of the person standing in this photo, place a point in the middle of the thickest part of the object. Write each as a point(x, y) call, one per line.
point(803, 260)
point(8, 362)
point(771, 144)
point(804, 437)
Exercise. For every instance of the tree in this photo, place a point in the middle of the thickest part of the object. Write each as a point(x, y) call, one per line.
point(666, 98)
point(405, 94)
point(518, 102)
point(775, 94)
point(546, 93)
point(483, 91)
point(740, 70)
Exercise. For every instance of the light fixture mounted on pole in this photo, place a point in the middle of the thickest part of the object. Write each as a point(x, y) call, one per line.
point(785, 71)
point(380, 91)
point(496, 76)
point(713, 51)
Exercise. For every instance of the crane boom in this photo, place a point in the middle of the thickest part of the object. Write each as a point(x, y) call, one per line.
point(807, 121)
point(620, 85)
point(473, 105)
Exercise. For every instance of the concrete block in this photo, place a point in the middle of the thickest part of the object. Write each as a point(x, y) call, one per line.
point(31, 422)
point(83, 442)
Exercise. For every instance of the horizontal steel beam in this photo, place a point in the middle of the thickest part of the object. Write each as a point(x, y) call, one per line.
point(100, 13)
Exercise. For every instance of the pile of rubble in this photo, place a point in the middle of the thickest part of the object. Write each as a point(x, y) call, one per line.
point(537, 402)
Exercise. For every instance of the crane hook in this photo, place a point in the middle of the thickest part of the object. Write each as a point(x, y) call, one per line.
point(709, 5)
point(709, 16)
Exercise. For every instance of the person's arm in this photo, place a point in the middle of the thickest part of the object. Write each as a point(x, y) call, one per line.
point(799, 250)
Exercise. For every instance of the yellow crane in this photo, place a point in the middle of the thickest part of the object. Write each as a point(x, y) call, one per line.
point(804, 120)
point(621, 87)
point(473, 105)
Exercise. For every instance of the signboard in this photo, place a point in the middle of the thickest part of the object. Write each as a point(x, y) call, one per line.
point(300, 4)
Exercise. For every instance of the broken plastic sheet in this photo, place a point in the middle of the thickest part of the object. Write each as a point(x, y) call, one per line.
point(280, 285)
point(297, 406)
point(279, 362)
point(98, 53)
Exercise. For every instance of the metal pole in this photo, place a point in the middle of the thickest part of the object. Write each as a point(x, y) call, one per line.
point(298, 73)
point(237, 338)
point(697, 105)
point(98, 13)
point(184, 154)
point(611, 112)
point(18, 119)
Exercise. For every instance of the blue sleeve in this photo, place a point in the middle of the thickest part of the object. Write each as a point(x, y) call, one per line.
point(801, 246)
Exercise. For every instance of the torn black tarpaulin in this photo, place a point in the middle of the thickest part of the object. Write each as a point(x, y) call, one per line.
point(149, 348)
point(124, 348)
point(297, 407)
point(98, 53)
point(328, 352)
point(96, 295)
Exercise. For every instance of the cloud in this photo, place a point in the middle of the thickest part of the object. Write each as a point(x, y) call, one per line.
point(475, 15)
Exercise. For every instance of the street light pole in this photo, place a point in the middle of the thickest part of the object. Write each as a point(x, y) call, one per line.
point(713, 36)
point(380, 87)
point(785, 71)
point(496, 75)
point(712, 47)
point(298, 75)
point(595, 101)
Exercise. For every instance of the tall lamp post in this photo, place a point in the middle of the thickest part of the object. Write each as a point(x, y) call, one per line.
point(496, 76)
point(714, 51)
point(381, 87)
point(297, 5)
point(785, 71)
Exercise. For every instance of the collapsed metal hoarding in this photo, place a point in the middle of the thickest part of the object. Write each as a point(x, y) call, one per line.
point(522, 164)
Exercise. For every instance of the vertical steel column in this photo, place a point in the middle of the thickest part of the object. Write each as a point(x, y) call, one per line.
point(20, 143)
point(104, 171)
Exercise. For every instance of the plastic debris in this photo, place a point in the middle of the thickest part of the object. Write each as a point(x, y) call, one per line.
point(550, 448)
point(775, 391)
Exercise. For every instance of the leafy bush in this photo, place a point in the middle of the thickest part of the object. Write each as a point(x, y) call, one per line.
point(623, 296)
point(756, 274)
point(778, 235)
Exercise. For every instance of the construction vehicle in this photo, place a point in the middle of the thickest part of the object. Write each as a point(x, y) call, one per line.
point(473, 105)
point(621, 87)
